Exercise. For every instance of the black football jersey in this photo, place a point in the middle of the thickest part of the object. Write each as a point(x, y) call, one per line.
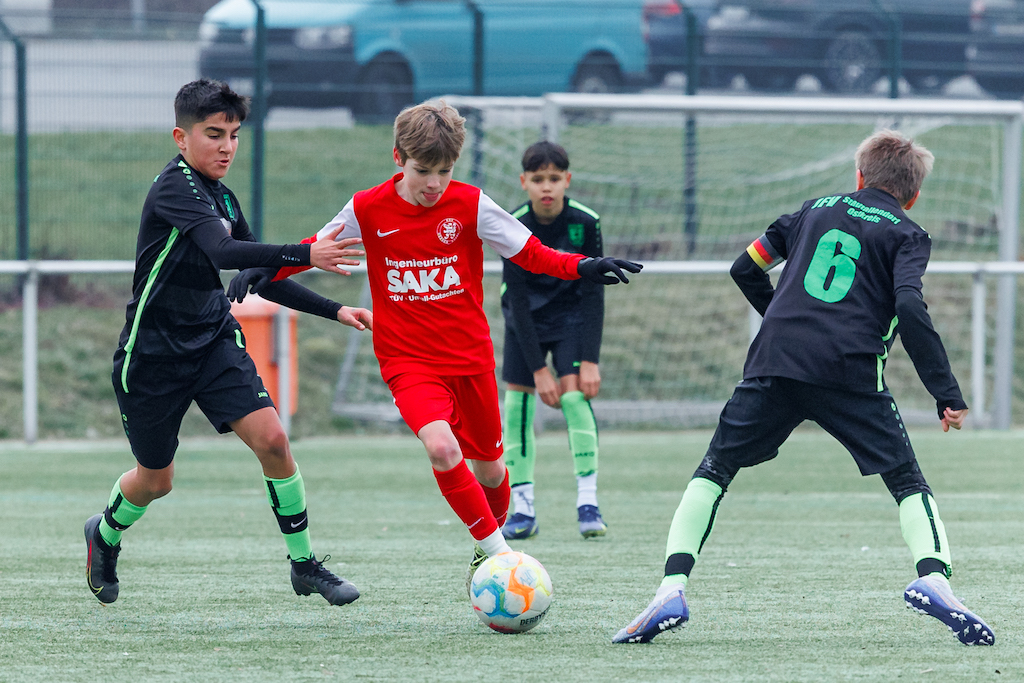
point(178, 304)
point(832, 318)
point(558, 308)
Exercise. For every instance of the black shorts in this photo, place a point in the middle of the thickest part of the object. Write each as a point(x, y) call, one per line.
point(764, 411)
point(565, 355)
point(223, 383)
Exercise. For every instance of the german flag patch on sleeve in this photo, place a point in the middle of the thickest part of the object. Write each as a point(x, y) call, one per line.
point(764, 254)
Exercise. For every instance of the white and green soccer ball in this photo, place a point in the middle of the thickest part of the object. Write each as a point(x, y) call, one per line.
point(511, 592)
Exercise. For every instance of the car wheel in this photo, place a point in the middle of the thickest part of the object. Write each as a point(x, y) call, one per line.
point(771, 80)
point(384, 88)
point(1001, 86)
point(852, 62)
point(931, 83)
point(597, 75)
point(718, 77)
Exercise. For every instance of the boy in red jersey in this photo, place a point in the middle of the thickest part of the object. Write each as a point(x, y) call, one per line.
point(423, 234)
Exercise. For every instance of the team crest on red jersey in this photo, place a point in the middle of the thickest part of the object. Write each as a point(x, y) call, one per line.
point(449, 230)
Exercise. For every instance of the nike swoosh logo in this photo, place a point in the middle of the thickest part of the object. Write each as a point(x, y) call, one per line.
point(389, 232)
point(88, 572)
point(499, 441)
point(296, 525)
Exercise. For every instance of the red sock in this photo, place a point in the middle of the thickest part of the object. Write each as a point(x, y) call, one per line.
point(497, 498)
point(466, 497)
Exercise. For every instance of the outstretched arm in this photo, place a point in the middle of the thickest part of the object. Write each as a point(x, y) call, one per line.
point(343, 229)
point(537, 258)
point(226, 252)
point(514, 241)
point(293, 295)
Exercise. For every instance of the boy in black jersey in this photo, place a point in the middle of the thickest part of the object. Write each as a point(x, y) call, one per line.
point(564, 318)
point(181, 344)
point(854, 271)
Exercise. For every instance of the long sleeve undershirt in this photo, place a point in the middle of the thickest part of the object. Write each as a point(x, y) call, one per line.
point(230, 253)
point(925, 349)
point(291, 294)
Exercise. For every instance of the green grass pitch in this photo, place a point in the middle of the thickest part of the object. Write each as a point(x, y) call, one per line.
point(800, 581)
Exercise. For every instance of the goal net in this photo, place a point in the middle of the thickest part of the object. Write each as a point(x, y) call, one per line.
point(683, 184)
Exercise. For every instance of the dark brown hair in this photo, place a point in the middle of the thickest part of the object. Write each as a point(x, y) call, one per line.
point(544, 153)
point(202, 98)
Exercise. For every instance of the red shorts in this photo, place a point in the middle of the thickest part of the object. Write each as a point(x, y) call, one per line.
point(469, 403)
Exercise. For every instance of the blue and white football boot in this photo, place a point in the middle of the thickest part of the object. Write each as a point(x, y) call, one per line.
point(520, 526)
point(591, 523)
point(667, 612)
point(932, 595)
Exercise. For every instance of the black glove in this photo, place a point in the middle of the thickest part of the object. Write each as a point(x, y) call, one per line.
point(598, 269)
point(250, 279)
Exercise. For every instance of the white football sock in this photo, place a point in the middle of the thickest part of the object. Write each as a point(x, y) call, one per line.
point(522, 496)
point(495, 544)
point(586, 490)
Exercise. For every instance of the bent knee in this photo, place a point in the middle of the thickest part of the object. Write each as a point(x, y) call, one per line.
point(444, 454)
point(272, 445)
point(491, 478)
point(156, 487)
point(161, 491)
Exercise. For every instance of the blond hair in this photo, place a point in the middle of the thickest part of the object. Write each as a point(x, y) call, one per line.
point(890, 161)
point(431, 133)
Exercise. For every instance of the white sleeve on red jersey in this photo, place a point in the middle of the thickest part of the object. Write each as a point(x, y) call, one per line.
point(347, 216)
point(498, 229)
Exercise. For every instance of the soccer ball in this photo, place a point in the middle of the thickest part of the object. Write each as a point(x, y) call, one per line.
point(511, 592)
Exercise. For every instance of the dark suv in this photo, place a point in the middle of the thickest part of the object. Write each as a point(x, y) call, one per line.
point(845, 44)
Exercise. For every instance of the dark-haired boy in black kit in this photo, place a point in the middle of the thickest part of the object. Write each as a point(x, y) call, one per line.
point(181, 344)
point(564, 318)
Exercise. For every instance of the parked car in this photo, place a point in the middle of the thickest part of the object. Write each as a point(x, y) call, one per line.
point(845, 44)
point(377, 56)
point(995, 56)
point(664, 23)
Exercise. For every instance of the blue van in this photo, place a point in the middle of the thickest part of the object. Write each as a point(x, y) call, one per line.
point(377, 56)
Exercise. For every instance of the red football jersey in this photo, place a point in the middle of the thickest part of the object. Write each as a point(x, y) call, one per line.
point(425, 266)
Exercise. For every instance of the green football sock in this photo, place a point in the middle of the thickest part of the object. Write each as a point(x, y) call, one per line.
point(691, 526)
point(923, 530)
point(579, 417)
point(520, 442)
point(288, 500)
point(122, 512)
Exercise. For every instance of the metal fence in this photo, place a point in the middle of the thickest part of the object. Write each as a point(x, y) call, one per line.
point(613, 412)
